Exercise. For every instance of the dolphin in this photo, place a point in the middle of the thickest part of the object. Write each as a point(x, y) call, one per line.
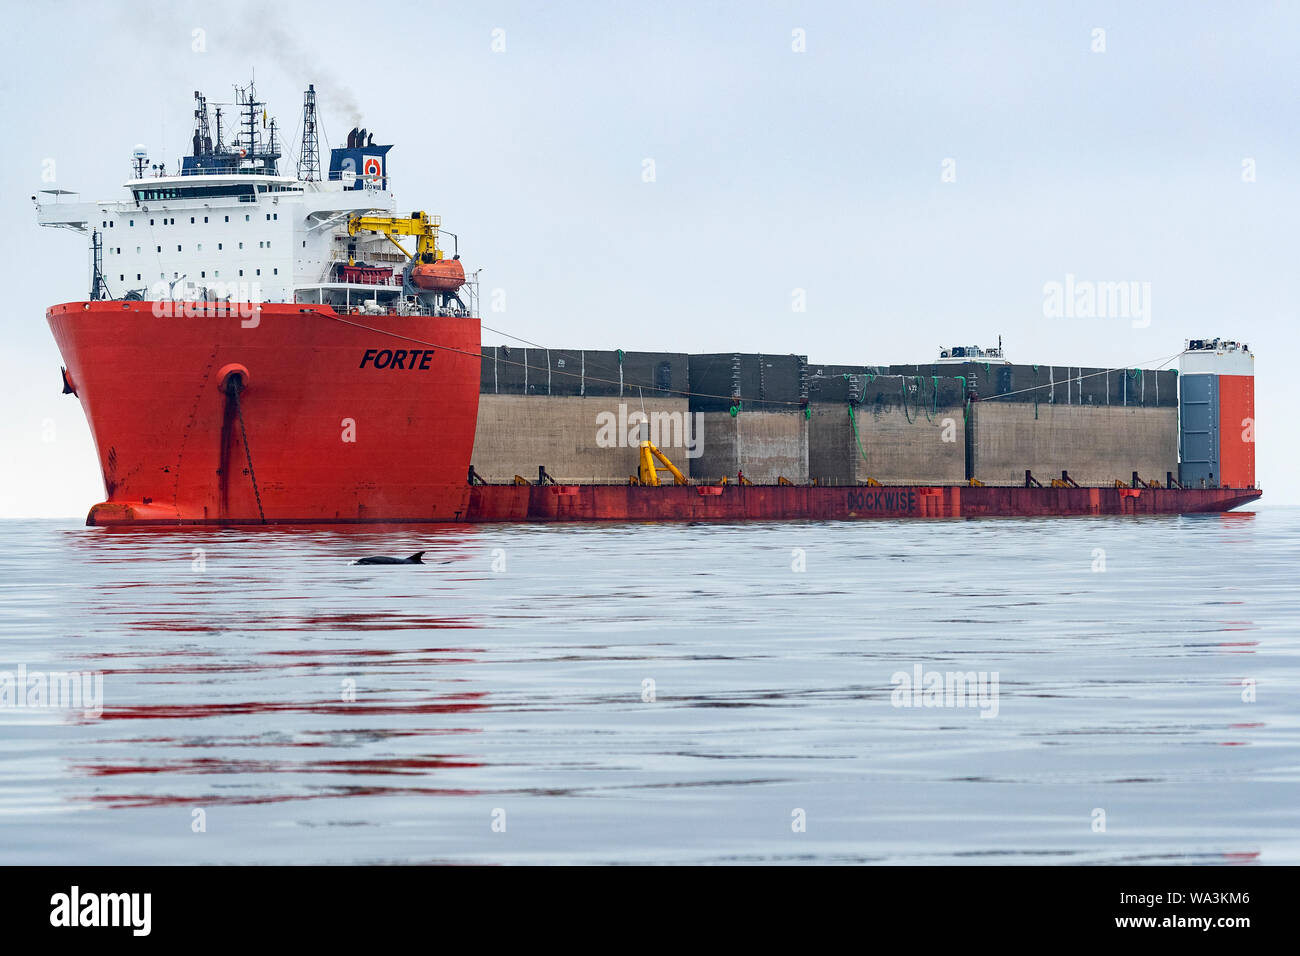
point(417, 558)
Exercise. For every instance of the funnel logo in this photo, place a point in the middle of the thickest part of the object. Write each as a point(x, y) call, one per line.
point(372, 167)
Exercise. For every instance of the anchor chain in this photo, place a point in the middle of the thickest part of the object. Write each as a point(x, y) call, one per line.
point(234, 387)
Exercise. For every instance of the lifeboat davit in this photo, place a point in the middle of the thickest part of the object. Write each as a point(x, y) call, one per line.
point(445, 275)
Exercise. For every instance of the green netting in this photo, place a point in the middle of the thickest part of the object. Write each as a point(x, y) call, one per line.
point(856, 437)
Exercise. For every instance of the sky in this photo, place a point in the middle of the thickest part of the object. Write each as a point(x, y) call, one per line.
point(920, 171)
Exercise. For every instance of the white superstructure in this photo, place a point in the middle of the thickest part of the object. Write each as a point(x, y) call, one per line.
point(228, 227)
point(208, 231)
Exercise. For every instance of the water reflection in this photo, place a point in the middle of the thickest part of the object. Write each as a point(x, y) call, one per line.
point(656, 693)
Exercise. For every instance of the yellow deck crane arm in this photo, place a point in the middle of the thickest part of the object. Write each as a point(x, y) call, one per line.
point(421, 225)
point(646, 473)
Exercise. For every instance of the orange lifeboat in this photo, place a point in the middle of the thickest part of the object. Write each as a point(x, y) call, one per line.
point(445, 275)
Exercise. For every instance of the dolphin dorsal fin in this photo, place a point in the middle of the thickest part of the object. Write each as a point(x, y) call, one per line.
point(417, 557)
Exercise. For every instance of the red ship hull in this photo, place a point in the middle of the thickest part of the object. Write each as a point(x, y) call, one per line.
point(347, 417)
point(793, 502)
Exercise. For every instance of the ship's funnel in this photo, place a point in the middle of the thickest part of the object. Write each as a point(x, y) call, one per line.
point(360, 166)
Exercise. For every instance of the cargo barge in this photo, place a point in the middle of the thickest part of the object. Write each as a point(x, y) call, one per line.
point(261, 349)
point(791, 502)
point(733, 503)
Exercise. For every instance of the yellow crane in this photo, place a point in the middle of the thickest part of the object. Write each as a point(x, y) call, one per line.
point(421, 225)
point(646, 473)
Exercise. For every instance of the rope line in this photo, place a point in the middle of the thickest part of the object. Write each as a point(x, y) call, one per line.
point(1080, 378)
point(480, 355)
point(537, 368)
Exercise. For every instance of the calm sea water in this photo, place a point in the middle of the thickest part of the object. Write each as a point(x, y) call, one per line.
point(657, 693)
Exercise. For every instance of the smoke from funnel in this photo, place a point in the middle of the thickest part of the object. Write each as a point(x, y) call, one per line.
point(285, 48)
point(259, 36)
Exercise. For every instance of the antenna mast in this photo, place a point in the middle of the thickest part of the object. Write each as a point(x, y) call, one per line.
point(202, 134)
point(309, 155)
point(255, 153)
point(246, 98)
point(98, 287)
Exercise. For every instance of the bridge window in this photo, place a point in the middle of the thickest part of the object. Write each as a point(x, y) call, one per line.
point(194, 192)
